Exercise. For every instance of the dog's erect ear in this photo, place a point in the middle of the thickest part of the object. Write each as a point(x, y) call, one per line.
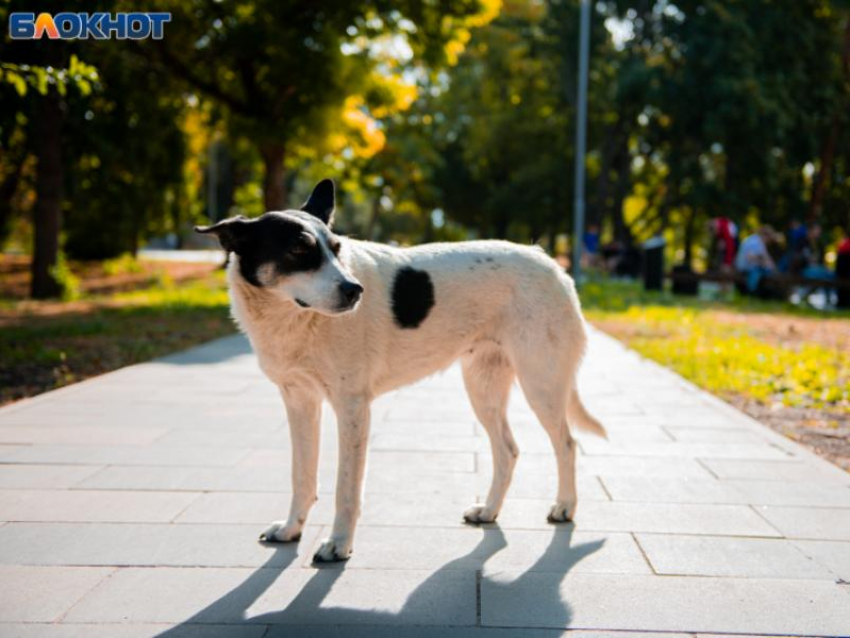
point(321, 202)
point(231, 233)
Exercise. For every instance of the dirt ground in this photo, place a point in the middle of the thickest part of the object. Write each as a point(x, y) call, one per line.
point(15, 276)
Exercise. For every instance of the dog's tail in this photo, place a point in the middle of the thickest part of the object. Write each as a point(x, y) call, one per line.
point(581, 418)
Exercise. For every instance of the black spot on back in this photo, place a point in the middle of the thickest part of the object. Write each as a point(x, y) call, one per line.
point(412, 297)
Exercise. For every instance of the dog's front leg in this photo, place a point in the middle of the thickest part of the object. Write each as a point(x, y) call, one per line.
point(304, 412)
point(353, 424)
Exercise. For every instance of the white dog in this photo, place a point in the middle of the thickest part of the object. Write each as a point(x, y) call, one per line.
point(344, 320)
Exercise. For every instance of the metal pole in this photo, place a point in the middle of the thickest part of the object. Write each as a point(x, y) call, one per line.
point(581, 138)
point(212, 181)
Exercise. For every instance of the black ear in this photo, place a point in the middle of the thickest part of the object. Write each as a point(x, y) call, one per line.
point(231, 233)
point(321, 202)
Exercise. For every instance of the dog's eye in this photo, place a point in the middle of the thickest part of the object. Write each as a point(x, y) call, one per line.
point(335, 246)
point(304, 245)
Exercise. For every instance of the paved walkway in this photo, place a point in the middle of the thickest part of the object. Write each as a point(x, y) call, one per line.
point(133, 503)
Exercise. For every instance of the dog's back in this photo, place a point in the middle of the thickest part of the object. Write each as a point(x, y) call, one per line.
point(435, 302)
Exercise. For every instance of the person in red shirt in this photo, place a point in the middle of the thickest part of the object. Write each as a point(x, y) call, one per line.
point(842, 272)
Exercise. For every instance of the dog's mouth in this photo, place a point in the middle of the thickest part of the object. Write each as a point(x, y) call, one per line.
point(339, 310)
point(347, 307)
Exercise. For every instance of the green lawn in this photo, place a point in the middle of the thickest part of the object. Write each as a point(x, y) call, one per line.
point(44, 350)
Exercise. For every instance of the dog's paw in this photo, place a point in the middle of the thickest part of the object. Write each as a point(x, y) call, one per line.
point(478, 514)
point(562, 513)
point(332, 551)
point(280, 532)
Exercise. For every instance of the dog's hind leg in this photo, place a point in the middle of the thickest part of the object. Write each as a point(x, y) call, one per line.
point(546, 391)
point(304, 412)
point(487, 375)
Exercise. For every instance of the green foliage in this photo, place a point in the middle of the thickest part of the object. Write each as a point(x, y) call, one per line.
point(69, 283)
point(125, 264)
point(22, 77)
point(125, 160)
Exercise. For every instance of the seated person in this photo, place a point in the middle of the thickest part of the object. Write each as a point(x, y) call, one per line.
point(812, 257)
point(754, 260)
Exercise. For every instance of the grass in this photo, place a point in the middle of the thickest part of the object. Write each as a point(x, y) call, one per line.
point(773, 353)
point(39, 352)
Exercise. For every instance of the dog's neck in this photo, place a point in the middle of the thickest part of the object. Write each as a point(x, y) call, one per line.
point(258, 310)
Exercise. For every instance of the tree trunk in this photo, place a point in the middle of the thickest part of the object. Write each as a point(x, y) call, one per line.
point(689, 238)
point(828, 151)
point(274, 180)
point(372, 224)
point(48, 188)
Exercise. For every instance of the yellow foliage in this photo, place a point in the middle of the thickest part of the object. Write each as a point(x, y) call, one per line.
point(366, 138)
point(461, 26)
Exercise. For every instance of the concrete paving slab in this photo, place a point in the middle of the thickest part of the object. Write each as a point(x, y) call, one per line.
point(682, 518)
point(832, 555)
point(674, 603)
point(681, 555)
point(776, 471)
point(43, 594)
point(92, 506)
point(469, 548)
point(267, 596)
point(19, 476)
point(147, 630)
point(75, 435)
point(713, 435)
point(809, 522)
point(124, 455)
point(751, 492)
point(684, 450)
point(124, 545)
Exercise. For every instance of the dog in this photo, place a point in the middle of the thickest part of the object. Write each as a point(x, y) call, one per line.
point(338, 319)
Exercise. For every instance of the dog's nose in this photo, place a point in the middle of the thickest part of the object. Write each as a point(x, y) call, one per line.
point(350, 291)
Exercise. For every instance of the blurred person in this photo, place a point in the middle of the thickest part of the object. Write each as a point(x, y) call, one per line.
point(811, 256)
point(842, 272)
point(795, 241)
point(724, 246)
point(754, 260)
point(591, 245)
point(724, 243)
point(621, 258)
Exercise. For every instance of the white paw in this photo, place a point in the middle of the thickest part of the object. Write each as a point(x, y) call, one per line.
point(332, 550)
point(480, 514)
point(280, 532)
point(562, 512)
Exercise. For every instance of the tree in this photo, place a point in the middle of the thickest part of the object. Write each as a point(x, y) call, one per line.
point(126, 148)
point(42, 75)
point(284, 71)
point(728, 121)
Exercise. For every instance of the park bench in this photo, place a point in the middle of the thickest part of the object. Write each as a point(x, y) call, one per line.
point(687, 282)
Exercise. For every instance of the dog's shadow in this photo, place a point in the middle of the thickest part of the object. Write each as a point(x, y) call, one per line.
point(429, 599)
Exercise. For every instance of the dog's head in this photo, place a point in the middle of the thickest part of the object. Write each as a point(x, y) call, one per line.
point(293, 253)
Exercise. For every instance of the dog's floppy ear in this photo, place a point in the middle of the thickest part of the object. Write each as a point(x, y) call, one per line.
point(321, 202)
point(231, 233)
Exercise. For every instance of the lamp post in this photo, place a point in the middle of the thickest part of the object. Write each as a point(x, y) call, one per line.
point(581, 138)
